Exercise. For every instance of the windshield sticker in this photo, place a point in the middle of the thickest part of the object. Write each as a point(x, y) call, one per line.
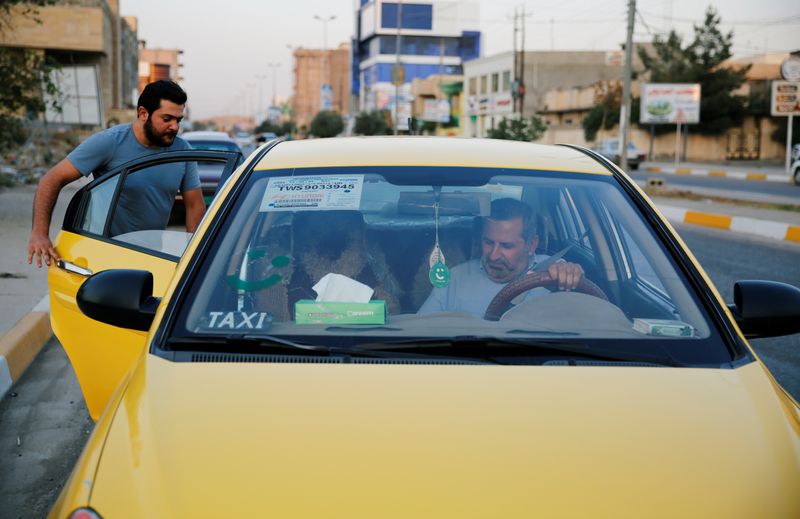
point(239, 320)
point(313, 193)
point(237, 283)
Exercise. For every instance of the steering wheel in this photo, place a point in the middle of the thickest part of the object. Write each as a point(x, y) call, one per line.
point(503, 298)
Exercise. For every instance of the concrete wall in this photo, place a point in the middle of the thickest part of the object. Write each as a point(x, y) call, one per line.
point(699, 148)
point(81, 32)
point(73, 28)
point(545, 71)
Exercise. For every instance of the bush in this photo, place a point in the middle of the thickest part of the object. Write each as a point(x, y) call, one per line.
point(371, 123)
point(326, 124)
point(519, 129)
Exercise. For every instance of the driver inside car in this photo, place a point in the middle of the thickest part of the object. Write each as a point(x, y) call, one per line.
point(508, 253)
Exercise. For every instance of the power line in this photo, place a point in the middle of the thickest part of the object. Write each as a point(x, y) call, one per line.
point(793, 19)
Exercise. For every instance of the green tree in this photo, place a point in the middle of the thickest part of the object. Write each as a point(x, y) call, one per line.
point(268, 126)
point(26, 78)
point(285, 128)
point(371, 123)
point(701, 61)
point(518, 129)
point(326, 124)
point(605, 113)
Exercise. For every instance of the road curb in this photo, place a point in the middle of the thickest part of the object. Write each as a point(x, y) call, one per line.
point(20, 345)
point(738, 175)
point(741, 224)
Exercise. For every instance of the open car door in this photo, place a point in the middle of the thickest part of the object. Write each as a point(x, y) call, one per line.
point(93, 238)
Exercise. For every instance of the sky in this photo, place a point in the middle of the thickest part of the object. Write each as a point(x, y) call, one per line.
point(236, 51)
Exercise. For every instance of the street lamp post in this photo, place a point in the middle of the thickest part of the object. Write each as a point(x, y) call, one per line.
point(325, 71)
point(260, 116)
point(274, 66)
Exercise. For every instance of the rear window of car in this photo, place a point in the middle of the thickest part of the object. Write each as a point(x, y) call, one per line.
point(367, 255)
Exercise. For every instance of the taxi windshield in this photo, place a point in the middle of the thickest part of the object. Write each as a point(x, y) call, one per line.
point(371, 256)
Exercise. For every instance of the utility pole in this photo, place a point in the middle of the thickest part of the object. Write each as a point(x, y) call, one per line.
point(260, 117)
point(522, 66)
point(274, 66)
point(397, 67)
point(515, 93)
point(625, 106)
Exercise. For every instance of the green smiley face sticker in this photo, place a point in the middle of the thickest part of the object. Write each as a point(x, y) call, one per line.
point(439, 275)
point(278, 262)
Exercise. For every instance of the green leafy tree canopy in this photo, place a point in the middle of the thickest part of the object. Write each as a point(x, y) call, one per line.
point(286, 127)
point(371, 123)
point(326, 124)
point(701, 61)
point(519, 129)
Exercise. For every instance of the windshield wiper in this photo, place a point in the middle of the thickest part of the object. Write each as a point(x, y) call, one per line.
point(260, 341)
point(469, 345)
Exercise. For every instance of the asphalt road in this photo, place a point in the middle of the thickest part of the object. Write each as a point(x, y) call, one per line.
point(727, 258)
point(44, 425)
point(748, 189)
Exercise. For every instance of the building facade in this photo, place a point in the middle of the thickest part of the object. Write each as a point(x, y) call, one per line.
point(156, 64)
point(95, 47)
point(312, 69)
point(491, 83)
point(395, 43)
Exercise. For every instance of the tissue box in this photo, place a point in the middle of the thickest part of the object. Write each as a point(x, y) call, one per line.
point(308, 311)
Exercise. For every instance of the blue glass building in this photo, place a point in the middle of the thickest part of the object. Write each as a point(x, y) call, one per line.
point(435, 37)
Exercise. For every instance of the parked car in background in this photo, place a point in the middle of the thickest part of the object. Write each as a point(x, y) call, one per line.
point(285, 360)
point(265, 137)
point(609, 148)
point(210, 171)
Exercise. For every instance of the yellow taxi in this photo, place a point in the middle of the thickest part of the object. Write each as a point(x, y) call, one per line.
point(417, 327)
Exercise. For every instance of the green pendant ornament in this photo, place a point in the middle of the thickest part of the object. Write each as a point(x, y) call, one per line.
point(439, 275)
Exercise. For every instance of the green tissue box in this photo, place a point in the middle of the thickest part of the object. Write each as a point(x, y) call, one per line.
point(308, 311)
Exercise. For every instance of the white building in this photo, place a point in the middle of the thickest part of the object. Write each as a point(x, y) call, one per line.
point(436, 37)
point(487, 93)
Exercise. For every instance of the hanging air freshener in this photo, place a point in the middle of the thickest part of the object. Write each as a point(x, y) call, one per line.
point(439, 274)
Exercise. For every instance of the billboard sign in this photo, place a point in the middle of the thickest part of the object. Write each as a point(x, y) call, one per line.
point(325, 97)
point(785, 98)
point(436, 110)
point(670, 103)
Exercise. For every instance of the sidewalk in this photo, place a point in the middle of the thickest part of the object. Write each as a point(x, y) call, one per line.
point(766, 223)
point(741, 171)
point(24, 306)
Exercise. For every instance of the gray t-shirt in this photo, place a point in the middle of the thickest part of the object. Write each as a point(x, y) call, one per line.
point(146, 198)
point(470, 290)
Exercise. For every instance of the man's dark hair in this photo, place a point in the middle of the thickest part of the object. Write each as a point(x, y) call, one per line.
point(154, 92)
point(504, 209)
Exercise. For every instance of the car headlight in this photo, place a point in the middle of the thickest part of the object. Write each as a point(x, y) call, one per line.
point(84, 513)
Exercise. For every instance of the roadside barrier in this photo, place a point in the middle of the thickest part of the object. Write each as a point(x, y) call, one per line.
point(743, 224)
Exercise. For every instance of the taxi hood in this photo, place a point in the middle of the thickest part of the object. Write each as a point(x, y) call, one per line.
point(325, 440)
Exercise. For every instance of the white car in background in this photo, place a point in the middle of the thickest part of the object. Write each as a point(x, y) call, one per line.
point(609, 148)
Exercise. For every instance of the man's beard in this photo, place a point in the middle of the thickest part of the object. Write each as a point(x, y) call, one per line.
point(501, 272)
point(158, 139)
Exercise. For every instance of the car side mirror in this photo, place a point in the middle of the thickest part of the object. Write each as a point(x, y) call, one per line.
point(119, 297)
point(766, 308)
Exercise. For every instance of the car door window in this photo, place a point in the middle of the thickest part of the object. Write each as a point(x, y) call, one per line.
point(98, 205)
point(141, 205)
